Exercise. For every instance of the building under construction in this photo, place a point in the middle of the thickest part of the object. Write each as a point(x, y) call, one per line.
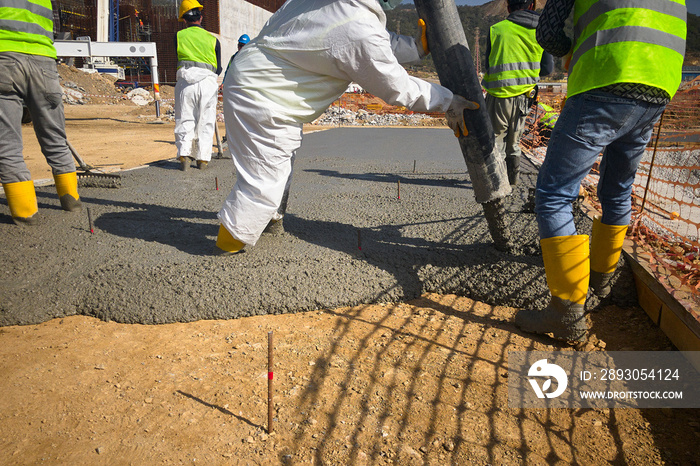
point(156, 21)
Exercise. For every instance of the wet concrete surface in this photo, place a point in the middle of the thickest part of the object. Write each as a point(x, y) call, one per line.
point(348, 239)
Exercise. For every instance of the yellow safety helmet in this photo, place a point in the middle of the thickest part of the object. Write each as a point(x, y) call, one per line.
point(188, 5)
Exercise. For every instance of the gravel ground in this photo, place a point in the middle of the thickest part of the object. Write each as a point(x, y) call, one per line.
point(148, 260)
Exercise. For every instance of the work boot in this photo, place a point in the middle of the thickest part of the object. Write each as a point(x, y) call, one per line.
point(275, 227)
point(513, 169)
point(185, 163)
point(67, 189)
point(21, 198)
point(563, 319)
point(606, 246)
point(566, 265)
point(202, 164)
point(226, 244)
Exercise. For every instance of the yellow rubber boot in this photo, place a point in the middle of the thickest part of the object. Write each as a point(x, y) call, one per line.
point(21, 197)
point(67, 189)
point(226, 244)
point(567, 267)
point(606, 246)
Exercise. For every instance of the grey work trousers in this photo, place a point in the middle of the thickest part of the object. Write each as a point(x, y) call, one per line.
point(508, 119)
point(31, 80)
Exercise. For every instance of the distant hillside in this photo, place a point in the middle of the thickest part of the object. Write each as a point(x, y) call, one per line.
point(480, 18)
point(498, 8)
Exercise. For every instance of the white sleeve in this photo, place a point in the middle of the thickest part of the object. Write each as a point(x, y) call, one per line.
point(370, 62)
point(404, 48)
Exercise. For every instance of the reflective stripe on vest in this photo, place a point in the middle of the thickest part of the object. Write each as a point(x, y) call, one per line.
point(628, 41)
point(27, 27)
point(195, 64)
point(196, 45)
point(514, 62)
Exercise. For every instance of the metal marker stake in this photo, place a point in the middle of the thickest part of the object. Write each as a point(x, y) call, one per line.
point(414, 166)
point(217, 182)
point(398, 183)
point(90, 220)
point(269, 383)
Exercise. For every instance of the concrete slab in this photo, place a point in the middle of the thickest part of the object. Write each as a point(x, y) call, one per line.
point(148, 260)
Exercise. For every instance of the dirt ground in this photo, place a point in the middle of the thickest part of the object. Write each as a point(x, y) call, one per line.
point(422, 382)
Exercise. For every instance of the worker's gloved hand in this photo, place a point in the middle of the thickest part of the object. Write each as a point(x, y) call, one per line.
point(422, 40)
point(455, 114)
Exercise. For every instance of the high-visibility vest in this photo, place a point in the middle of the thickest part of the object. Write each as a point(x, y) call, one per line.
point(618, 42)
point(550, 116)
point(514, 62)
point(196, 47)
point(27, 27)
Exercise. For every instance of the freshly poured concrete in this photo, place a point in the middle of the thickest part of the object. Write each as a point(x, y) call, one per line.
point(149, 259)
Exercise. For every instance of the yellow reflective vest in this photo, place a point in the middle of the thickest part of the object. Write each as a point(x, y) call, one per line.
point(618, 43)
point(514, 62)
point(196, 47)
point(27, 27)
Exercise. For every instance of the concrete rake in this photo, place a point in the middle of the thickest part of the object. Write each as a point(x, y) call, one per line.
point(91, 177)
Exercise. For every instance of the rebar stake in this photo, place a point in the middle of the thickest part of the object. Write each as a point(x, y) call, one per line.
point(269, 382)
point(398, 184)
point(90, 220)
point(216, 179)
point(414, 166)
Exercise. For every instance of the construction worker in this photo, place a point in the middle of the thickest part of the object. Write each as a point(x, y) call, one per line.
point(514, 64)
point(244, 39)
point(625, 66)
point(198, 65)
point(304, 59)
point(29, 77)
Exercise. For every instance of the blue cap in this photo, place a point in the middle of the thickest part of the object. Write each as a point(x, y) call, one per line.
point(244, 39)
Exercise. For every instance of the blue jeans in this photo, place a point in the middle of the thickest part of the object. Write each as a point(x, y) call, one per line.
point(591, 123)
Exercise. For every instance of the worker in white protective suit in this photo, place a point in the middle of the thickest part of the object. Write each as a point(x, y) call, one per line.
point(304, 58)
point(198, 65)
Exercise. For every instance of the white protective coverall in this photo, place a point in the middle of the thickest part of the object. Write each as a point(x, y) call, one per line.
point(304, 59)
point(195, 112)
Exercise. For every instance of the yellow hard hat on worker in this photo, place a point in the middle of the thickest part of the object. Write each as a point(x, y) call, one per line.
point(188, 5)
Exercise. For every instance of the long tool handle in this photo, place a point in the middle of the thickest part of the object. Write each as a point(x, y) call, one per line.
point(270, 373)
point(78, 158)
point(220, 154)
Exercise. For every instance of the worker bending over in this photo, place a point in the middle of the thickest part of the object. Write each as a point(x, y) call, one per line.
point(198, 65)
point(625, 66)
point(29, 77)
point(304, 59)
point(514, 64)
